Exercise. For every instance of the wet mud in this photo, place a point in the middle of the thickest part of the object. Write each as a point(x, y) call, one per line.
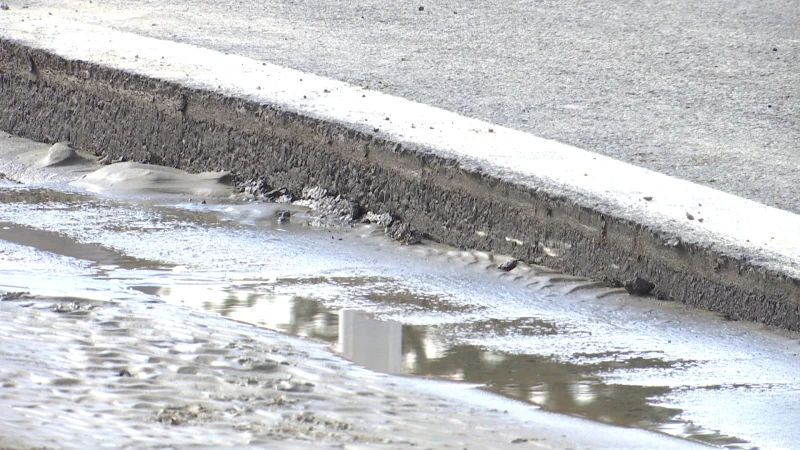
point(153, 312)
point(562, 343)
point(167, 376)
point(128, 369)
point(142, 178)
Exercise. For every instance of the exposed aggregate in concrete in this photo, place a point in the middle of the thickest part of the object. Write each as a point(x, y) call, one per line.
point(130, 117)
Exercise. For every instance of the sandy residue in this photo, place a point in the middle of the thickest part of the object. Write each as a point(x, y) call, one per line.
point(143, 178)
point(138, 374)
point(26, 161)
point(31, 162)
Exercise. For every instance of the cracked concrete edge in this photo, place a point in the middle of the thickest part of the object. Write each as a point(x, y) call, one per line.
point(48, 97)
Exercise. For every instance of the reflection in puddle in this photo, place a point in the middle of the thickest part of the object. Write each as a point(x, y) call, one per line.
point(575, 386)
point(613, 360)
point(374, 344)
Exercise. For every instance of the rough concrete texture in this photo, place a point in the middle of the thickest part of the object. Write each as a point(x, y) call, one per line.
point(703, 91)
point(48, 98)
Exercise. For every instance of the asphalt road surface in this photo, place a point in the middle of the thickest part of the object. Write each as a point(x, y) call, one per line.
point(704, 91)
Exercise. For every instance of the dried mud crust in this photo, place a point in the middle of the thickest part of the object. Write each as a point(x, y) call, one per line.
point(137, 374)
point(53, 99)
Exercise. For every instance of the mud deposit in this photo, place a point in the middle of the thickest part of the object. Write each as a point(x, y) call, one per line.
point(116, 326)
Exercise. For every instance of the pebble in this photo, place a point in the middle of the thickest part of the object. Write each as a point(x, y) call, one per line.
point(508, 265)
point(639, 286)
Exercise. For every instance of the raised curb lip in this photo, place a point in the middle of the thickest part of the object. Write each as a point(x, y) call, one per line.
point(461, 181)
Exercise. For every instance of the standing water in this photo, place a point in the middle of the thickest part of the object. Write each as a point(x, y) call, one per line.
point(561, 343)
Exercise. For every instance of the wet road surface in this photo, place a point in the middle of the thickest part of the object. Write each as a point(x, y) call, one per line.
point(564, 344)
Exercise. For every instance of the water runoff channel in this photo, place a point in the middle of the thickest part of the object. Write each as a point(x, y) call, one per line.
point(560, 343)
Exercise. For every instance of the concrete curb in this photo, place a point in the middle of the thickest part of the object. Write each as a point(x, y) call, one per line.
point(50, 94)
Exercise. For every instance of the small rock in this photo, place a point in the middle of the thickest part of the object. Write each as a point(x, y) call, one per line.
point(255, 187)
point(508, 265)
point(404, 233)
point(731, 317)
point(355, 210)
point(125, 373)
point(284, 216)
point(293, 386)
point(276, 193)
point(421, 8)
point(384, 219)
point(4, 7)
point(648, 198)
point(12, 295)
point(689, 216)
point(68, 307)
point(639, 286)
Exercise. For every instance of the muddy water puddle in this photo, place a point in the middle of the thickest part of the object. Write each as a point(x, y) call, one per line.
point(575, 385)
point(561, 343)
